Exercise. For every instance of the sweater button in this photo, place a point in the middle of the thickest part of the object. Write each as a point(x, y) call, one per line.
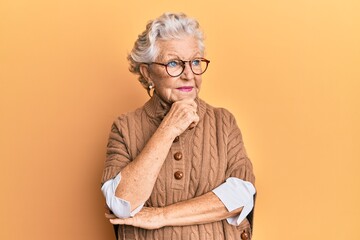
point(178, 175)
point(245, 235)
point(176, 139)
point(178, 156)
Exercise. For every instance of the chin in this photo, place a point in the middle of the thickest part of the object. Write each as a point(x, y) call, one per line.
point(183, 97)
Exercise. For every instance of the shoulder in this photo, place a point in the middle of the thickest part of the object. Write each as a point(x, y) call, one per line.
point(124, 120)
point(220, 113)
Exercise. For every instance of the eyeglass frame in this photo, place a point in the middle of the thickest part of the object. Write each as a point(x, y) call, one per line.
point(183, 66)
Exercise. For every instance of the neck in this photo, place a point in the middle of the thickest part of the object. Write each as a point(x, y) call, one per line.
point(164, 104)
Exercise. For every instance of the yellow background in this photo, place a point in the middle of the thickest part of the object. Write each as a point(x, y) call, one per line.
point(288, 70)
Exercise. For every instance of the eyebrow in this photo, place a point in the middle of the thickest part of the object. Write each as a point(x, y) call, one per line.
point(176, 57)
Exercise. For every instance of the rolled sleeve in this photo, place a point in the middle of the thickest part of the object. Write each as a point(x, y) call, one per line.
point(236, 193)
point(120, 207)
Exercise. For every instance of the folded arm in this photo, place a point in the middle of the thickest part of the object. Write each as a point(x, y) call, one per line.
point(232, 200)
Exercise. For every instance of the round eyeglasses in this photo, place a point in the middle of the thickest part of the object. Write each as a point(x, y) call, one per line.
point(176, 67)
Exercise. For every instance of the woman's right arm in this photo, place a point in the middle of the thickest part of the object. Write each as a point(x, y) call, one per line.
point(139, 176)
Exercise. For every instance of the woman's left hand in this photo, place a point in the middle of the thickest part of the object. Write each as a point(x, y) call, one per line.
point(148, 218)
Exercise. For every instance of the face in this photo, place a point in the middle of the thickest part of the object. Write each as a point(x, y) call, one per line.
point(185, 86)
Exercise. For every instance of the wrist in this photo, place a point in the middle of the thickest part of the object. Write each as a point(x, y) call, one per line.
point(168, 132)
point(165, 220)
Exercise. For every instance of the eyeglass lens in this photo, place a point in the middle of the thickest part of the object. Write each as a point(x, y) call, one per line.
point(176, 67)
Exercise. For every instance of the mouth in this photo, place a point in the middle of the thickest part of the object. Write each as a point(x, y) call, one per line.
point(185, 89)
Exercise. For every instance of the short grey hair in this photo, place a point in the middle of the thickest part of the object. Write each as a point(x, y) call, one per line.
point(166, 27)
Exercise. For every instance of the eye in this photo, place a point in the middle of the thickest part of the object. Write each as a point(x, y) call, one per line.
point(173, 64)
point(196, 62)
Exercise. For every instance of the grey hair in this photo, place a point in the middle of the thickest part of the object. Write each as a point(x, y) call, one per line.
point(166, 27)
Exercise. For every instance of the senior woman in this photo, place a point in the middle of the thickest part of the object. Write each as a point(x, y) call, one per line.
point(176, 168)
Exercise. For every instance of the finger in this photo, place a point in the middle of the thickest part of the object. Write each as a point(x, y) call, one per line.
point(126, 221)
point(195, 115)
point(117, 221)
point(194, 123)
point(192, 104)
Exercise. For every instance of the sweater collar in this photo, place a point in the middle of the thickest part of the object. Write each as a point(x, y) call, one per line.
point(156, 108)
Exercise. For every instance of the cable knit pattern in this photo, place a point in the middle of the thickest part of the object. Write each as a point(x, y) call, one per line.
point(138, 132)
point(211, 152)
point(196, 162)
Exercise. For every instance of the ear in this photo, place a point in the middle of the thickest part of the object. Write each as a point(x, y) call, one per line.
point(145, 71)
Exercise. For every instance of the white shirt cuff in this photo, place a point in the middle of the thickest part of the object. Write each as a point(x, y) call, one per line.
point(236, 193)
point(120, 207)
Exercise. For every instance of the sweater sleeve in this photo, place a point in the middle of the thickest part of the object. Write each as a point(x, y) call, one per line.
point(239, 164)
point(117, 153)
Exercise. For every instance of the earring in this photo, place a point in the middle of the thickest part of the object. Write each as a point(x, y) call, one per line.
point(151, 86)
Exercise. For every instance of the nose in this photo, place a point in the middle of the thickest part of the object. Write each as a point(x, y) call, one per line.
point(188, 73)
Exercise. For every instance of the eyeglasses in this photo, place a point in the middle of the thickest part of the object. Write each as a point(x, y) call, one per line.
point(176, 67)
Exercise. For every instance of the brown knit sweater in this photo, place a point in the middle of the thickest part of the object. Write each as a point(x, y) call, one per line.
point(211, 152)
